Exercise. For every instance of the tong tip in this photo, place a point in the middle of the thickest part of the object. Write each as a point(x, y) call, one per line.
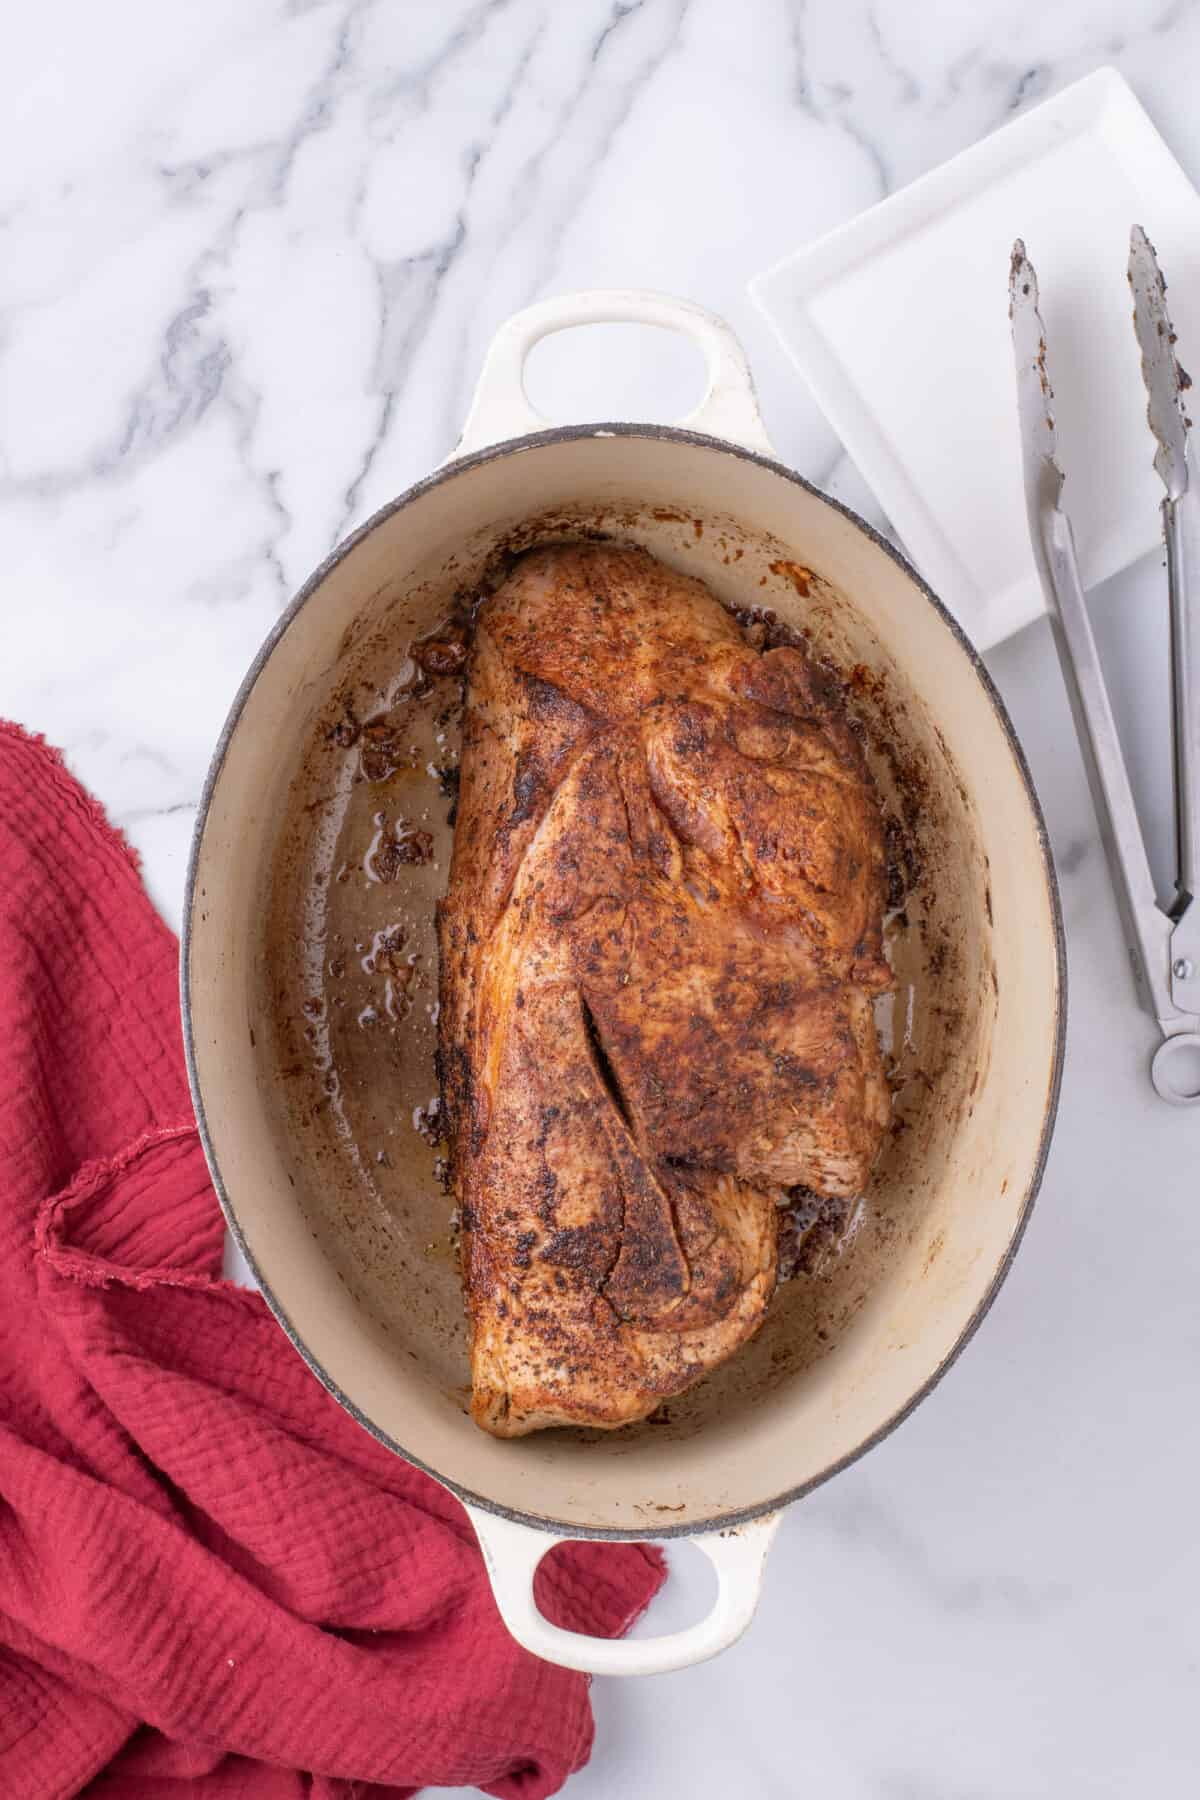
point(1035, 396)
point(1166, 381)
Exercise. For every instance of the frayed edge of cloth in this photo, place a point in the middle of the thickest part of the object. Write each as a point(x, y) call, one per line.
point(71, 789)
point(97, 1271)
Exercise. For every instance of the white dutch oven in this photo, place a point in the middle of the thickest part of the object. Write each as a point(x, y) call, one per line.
point(978, 1029)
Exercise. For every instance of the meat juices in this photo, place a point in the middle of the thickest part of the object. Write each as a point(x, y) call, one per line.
point(660, 944)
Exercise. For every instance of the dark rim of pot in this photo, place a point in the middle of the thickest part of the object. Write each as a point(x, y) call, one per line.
point(668, 434)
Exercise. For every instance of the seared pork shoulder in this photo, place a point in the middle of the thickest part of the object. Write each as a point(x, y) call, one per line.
point(659, 947)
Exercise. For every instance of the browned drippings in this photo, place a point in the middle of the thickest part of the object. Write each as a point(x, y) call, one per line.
point(353, 949)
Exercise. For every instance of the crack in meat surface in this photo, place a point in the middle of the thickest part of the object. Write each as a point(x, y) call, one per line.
point(659, 947)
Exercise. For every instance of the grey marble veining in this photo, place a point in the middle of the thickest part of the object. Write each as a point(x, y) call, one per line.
point(250, 257)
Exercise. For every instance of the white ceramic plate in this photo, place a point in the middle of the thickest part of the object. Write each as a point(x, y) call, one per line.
point(898, 320)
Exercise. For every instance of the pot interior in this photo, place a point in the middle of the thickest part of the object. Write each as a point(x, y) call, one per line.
point(312, 971)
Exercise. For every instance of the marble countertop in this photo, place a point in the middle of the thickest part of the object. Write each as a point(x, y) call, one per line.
point(252, 254)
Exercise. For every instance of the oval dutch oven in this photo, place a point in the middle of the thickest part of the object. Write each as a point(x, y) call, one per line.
point(980, 963)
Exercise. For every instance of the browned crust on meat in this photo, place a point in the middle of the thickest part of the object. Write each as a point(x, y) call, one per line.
point(659, 944)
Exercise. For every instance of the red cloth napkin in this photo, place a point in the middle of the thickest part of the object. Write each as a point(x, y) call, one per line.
point(212, 1581)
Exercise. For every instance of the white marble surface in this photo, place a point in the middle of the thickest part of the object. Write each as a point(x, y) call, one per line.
point(252, 253)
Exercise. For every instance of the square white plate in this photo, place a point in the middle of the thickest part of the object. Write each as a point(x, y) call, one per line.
point(898, 320)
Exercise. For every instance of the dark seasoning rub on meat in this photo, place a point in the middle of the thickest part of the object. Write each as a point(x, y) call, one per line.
point(660, 947)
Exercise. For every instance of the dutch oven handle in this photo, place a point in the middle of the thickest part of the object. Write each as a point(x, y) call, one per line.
point(500, 408)
point(513, 1551)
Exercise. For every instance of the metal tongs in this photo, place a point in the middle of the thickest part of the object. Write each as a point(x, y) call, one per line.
point(1164, 945)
